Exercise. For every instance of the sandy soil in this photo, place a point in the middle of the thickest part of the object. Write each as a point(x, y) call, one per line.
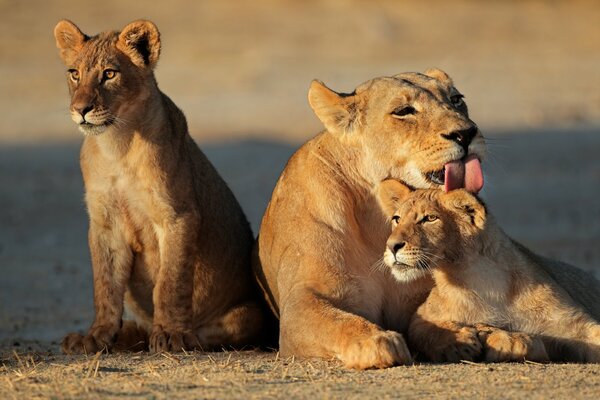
point(531, 74)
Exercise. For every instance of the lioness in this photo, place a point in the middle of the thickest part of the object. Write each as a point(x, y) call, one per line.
point(493, 299)
point(170, 245)
point(322, 231)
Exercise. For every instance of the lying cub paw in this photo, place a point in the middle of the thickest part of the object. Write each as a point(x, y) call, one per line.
point(97, 339)
point(456, 346)
point(502, 346)
point(381, 350)
point(172, 341)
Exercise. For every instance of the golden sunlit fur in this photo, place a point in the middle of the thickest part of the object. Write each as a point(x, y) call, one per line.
point(169, 243)
point(318, 255)
point(493, 299)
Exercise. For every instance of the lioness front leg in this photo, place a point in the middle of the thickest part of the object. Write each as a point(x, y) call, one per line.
point(172, 294)
point(311, 326)
point(111, 264)
point(444, 341)
point(503, 346)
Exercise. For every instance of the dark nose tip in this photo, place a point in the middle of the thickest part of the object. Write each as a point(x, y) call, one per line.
point(396, 246)
point(463, 137)
point(83, 109)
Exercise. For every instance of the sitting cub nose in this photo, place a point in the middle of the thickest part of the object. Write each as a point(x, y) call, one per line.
point(395, 246)
point(463, 137)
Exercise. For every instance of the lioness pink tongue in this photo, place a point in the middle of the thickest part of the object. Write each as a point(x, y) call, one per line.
point(467, 174)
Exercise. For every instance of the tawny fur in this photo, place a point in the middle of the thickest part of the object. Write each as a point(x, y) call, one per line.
point(170, 245)
point(493, 299)
point(318, 254)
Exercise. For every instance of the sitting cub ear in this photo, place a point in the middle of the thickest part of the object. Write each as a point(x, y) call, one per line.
point(390, 194)
point(462, 202)
point(140, 40)
point(69, 40)
point(335, 110)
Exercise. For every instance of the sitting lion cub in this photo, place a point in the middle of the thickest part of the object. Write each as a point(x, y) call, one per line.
point(169, 243)
point(492, 298)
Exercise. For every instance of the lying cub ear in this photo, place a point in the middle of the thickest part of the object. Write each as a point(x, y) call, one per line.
point(335, 110)
point(140, 40)
point(69, 39)
point(440, 75)
point(462, 202)
point(390, 194)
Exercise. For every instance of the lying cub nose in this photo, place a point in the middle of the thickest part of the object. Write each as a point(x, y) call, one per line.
point(83, 108)
point(395, 246)
point(463, 137)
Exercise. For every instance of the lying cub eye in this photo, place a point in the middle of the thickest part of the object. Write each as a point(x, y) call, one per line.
point(395, 219)
point(403, 111)
point(429, 218)
point(74, 74)
point(457, 100)
point(109, 74)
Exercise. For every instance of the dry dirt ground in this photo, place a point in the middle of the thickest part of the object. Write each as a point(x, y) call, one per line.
point(531, 73)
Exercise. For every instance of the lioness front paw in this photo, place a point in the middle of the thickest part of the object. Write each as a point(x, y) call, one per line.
point(502, 346)
point(172, 341)
point(382, 350)
point(455, 346)
point(97, 339)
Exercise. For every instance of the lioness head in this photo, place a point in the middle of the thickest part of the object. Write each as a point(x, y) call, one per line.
point(429, 227)
point(413, 127)
point(109, 74)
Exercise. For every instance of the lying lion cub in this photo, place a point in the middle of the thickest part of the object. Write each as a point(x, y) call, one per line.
point(492, 297)
point(170, 245)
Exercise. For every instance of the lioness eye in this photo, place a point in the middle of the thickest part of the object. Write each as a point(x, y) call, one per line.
point(429, 218)
point(109, 74)
point(395, 219)
point(457, 100)
point(404, 111)
point(74, 74)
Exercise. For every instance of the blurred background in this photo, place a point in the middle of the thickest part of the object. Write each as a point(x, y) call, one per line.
point(240, 70)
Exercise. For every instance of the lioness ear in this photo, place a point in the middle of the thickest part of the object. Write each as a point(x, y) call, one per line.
point(69, 39)
point(336, 111)
point(390, 194)
point(440, 75)
point(462, 202)
point(140, 40)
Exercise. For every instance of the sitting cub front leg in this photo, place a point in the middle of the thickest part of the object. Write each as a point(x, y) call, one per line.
point(111, 264)
point(503, 346)
point(172, 295)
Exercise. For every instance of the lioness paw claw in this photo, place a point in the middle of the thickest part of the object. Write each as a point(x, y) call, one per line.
point(503, 346)
point(464, 344)
point(382, 350)
point(96, 340)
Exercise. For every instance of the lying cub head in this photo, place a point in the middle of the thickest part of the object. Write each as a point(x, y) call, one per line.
point(110, 74)
point(413, 127)
point(429, 227)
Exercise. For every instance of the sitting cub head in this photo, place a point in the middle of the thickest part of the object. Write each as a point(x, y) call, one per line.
point(110, 74)
point(429, 227)
point(413, 127)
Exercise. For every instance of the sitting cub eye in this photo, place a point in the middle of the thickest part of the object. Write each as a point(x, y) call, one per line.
point(74, 74)
point(403, 111)
point(109, 74)
point(395, 219)
point(429, 218)
point(457, 100)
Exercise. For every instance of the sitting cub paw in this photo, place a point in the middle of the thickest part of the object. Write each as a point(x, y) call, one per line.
point(382, 350)
point(97, 339)
point(502, 346)
point(172, 341)
point(454, 346)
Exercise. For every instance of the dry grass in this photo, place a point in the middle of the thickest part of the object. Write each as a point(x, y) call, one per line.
point(254, 374)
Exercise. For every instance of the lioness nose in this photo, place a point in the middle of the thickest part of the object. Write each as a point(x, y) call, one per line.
point(463, 137)
point(396, 246)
